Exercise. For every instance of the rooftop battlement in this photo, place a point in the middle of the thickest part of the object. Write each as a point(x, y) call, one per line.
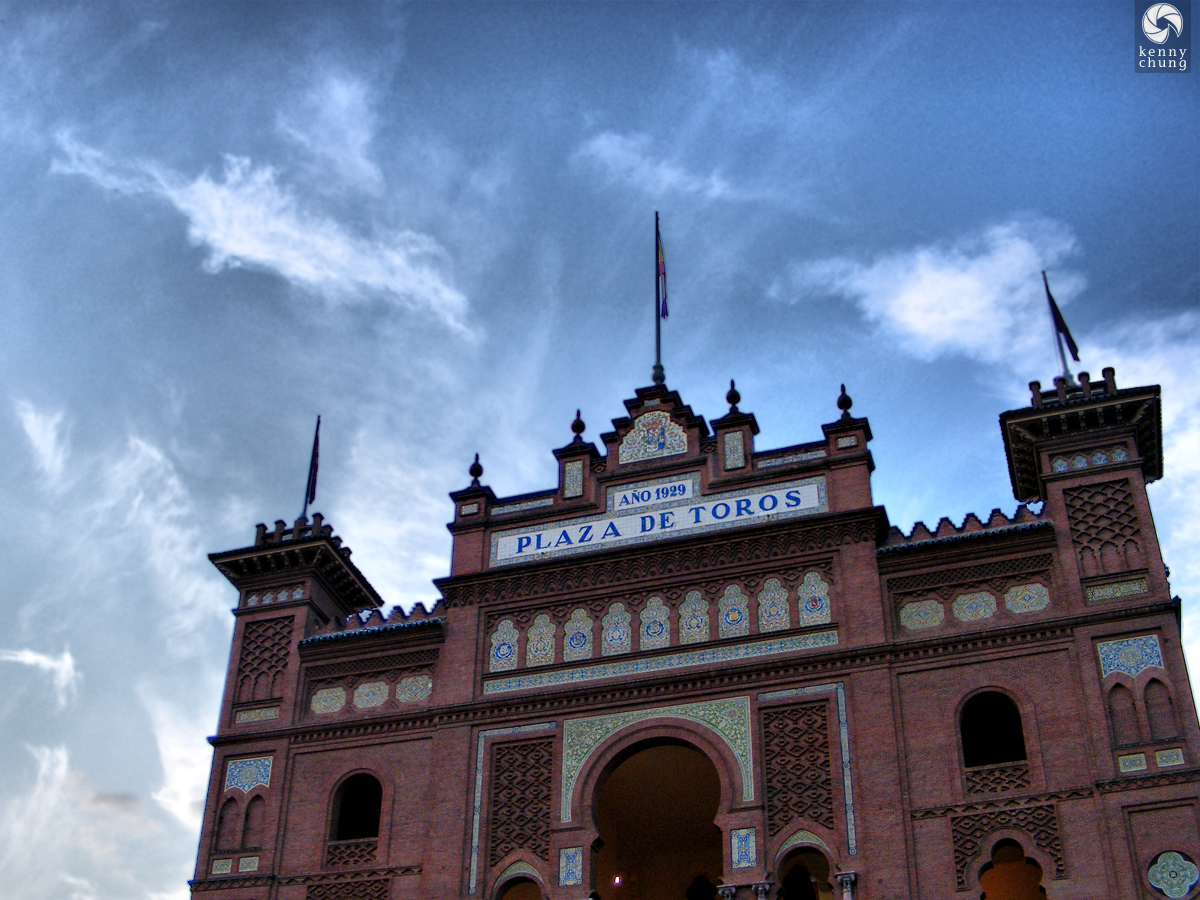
point(972, 525)
point(1065, 391)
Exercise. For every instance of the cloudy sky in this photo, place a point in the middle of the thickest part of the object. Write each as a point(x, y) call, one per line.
point(433, 225)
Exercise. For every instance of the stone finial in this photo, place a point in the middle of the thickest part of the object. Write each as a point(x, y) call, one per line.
point(475, 471)
point(844, 403)
point(733, 397)
point(577, 428)
point(1110, 379)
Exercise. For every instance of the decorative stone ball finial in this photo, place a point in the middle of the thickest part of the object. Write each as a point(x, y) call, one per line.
point(844, 403)
point(475, 471)
point(733, 397)
point(577, 428)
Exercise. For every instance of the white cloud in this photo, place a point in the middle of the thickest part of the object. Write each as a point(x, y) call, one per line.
point(185, 757)
point(627, 158)
point(335, 122)
point(47, 436)
point(61, 669)
point(246, 217)
point(33, 822)
point(980, 297)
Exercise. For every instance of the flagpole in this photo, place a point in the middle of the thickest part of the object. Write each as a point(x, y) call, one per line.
point(1058, 338)
point(659, 376)
point(310, 487)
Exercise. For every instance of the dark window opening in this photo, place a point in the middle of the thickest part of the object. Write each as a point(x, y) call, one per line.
point(991, 731)
point(1160, 711)
point(1123, 716)
point(356, 809)
point(227, 825)
point(252, 830)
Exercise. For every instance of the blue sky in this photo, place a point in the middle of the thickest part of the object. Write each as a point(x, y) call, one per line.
point(433, 225)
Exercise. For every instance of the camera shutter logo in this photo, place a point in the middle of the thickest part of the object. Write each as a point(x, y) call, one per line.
point(1160, 20)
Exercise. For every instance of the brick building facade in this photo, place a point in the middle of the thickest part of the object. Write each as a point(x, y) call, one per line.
point(697, 659)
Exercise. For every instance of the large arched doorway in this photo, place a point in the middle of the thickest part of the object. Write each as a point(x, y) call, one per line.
point(655, 812)
point(804, 875)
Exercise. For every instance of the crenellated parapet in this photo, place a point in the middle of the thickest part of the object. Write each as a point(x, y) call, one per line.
point(971, 526)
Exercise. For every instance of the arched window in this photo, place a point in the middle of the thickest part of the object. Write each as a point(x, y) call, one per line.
point(991, 730)
point(1160, 711)
point(227, 825)
point(356, 809)
point(252, 831)
point(1123, 716)
point(1011, 875)
point(521, 889)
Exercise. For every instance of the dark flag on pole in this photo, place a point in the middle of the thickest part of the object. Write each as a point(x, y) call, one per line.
point(662, 270)
point(310, 490)
point(1060, 325)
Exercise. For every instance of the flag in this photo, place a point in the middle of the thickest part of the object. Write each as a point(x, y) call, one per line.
point(310, 493)
point(1060, 324)
point(662, 271)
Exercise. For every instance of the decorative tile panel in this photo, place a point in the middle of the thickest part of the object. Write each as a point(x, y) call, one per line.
point(729, 718)
point(248, 864)
point(813, 600)
point(523, 506)
point(790, 458)
point(1173, 873)
point(684, 659)
point(614, 631)
point(371, 694)
point(654, 627)
point(577, 637)
point(328, 700)
point(735, 450)
point(654, 436)
point(1060, 464)
point(539, 641)
point(414, 688)
point(774, 614)
point(1129, 655)
point(262, 714)
point(468, 509)
point(570, 866)
point(1119, 455)
point(573, 478)
point(849, 441)
point(222, 866)
point(504, 647)
point(1166, 758)
point(1131, 762)
point(733, 613)
point(693, 619)
point(973, 607)
point(743, 848)
point(922, 614)
point(247, 774)
point(1026, 598)
point(1116, 589)
point(519, 868)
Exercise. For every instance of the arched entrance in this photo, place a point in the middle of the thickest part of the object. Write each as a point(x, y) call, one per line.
point(804, 875)
point(1010, 875)
point(520, 889)
point(654, 811)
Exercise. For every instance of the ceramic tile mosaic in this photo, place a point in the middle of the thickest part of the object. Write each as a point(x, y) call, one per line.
point(1166, 758)
point(1119, 455)
point(1060, 465)
point(222, 866)
point(414, 688)
point(790, 458)
point(1174, 874)
point(328, 700)
point(262, 714)
point(570, 866)
point(371, 694)
point(838, 689)
point(539, 641)
point(743, 848)
point(577, 637)
point(813, 600)
point(735, 451)
point(1131, 762)
point(477, 798)
point(798, 838)
point(681, 660)
point(849, 441)
point(733, 613)
point(652, 494)
point(774, 614)
point(573, 478)
point(248, 864)
point(468, 509)
point(1099, 458)
point(1116, 589)
point(1026, 598)
point(1129, 655)
point(503, 655)
point(653, 436)
point(247, 774)
point(693, 619)
point(922, 614)
point(973, 607)
point(1079, 461)
point(615, 637)
point(654, 625)
point(523, 506)
point(728, 718)
point(519, 868)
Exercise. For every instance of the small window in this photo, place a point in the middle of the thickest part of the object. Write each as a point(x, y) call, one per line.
point(991, 730)
point(356, 809)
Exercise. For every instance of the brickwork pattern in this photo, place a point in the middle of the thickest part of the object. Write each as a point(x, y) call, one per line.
point(369, 889)
point(1104, 526)
point(998, 779)
point(1039, 822)
point(796, 766)
point(265, 648)
point(350, 853)
point(520, 802)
